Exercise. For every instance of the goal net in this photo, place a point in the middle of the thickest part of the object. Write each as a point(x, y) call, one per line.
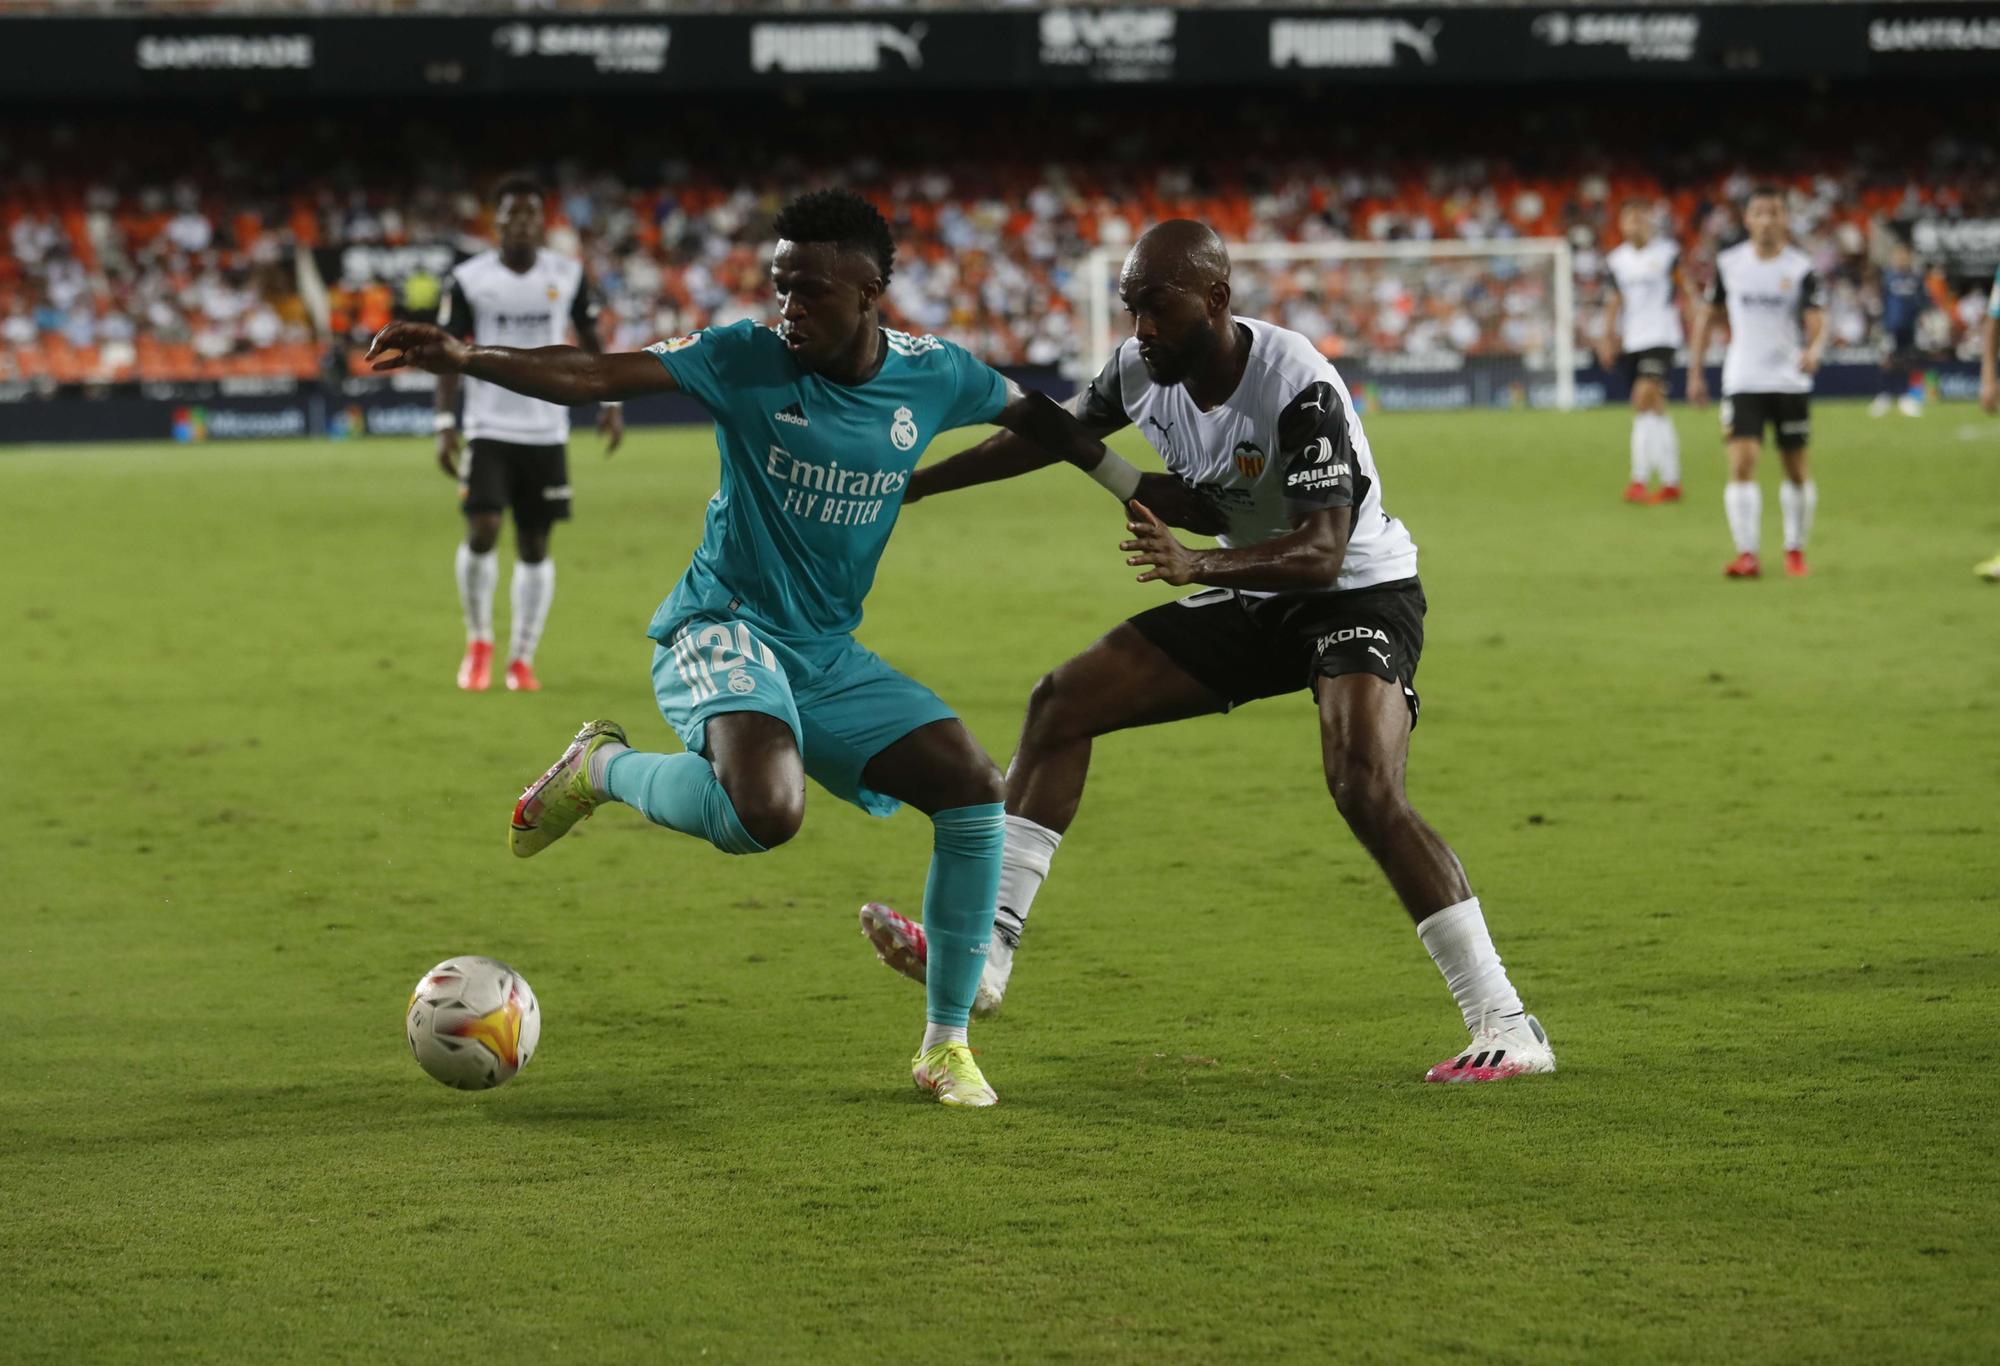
point(1411, 324)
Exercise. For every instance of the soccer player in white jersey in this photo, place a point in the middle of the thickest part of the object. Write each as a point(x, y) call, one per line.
point(1989, 391)
point(1314, 591)
point(522, 295)
point(1642, 330)
point(1766, 290)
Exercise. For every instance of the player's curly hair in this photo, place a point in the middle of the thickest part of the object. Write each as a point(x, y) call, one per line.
point(843, 218)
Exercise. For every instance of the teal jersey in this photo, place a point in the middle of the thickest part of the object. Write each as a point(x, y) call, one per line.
point(813, 472)
point(1993, 297)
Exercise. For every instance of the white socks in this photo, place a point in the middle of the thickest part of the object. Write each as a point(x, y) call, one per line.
point(477, 577)
point(534, 587)
point(1656, 449)
point(1797, 502)
point(1744, 504)
point(1023, 864)
point(935, 1034)
point(1666, 450)
point(1458, 943)
point(598, 767)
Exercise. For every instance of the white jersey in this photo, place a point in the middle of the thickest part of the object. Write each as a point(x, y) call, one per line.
point(1767, 299)
point(1649, 313)
point(1286, 443)
point(493, 306)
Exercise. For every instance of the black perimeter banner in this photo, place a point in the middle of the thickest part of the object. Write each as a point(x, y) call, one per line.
point(639, 53)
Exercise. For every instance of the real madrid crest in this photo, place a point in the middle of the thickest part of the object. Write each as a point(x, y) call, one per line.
point(904, 430)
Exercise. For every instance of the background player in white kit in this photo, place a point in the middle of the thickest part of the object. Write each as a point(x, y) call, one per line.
point(1766, 289)
point(519, 295)
point(1315, 591)
point(1642, 331)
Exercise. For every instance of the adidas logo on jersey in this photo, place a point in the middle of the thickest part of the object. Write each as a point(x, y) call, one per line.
point(793, 414)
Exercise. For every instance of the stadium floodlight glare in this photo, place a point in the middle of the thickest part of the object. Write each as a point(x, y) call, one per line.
point(1542, 266)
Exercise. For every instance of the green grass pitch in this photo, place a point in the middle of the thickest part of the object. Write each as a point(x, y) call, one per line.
point(1737, 842)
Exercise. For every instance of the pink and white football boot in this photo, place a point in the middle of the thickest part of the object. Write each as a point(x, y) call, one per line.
point(1513, 1047)
point(899, 942)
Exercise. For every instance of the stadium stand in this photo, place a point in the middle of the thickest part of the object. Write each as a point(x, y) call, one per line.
point(178, 255)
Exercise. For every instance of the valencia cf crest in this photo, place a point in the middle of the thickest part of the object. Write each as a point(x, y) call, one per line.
point(1249, 459)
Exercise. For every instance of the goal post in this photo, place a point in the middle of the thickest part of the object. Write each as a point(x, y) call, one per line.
point(1404, 308)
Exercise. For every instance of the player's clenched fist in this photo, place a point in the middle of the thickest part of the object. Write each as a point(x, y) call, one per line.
point(417, 346)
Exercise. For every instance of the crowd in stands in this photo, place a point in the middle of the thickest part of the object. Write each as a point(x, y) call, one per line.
point(189, 254)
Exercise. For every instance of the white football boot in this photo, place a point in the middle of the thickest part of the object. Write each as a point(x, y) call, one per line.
point(899, 942)
point(1513, 1047)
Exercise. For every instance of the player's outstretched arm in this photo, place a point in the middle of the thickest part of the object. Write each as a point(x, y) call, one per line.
point(1037, 432)
point(1002, 455)
point(557, 374)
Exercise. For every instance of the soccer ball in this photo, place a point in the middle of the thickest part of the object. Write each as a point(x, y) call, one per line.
point(473, 1022)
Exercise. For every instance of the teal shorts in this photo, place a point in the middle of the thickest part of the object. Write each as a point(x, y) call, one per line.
point(844, 703)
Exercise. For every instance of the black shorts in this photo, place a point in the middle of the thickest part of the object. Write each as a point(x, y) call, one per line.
point(1655, 362)
point(1790, 415)
point(1246, 648)
point(532, 480)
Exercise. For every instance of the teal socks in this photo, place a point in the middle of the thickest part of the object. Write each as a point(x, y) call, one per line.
point(958, 906)
point(681, 792)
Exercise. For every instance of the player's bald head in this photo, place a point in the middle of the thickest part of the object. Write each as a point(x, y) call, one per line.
point(1175, 284)
point(1179, 253)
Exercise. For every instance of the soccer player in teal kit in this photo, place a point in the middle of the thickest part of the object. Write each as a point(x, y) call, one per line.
point(819, 422)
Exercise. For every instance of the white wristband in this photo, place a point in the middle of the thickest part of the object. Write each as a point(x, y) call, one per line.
point(1117, 475)
point(445, 422)
point(615, 404)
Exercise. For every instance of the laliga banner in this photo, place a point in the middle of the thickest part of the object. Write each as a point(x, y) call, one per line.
point(1067, 45)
